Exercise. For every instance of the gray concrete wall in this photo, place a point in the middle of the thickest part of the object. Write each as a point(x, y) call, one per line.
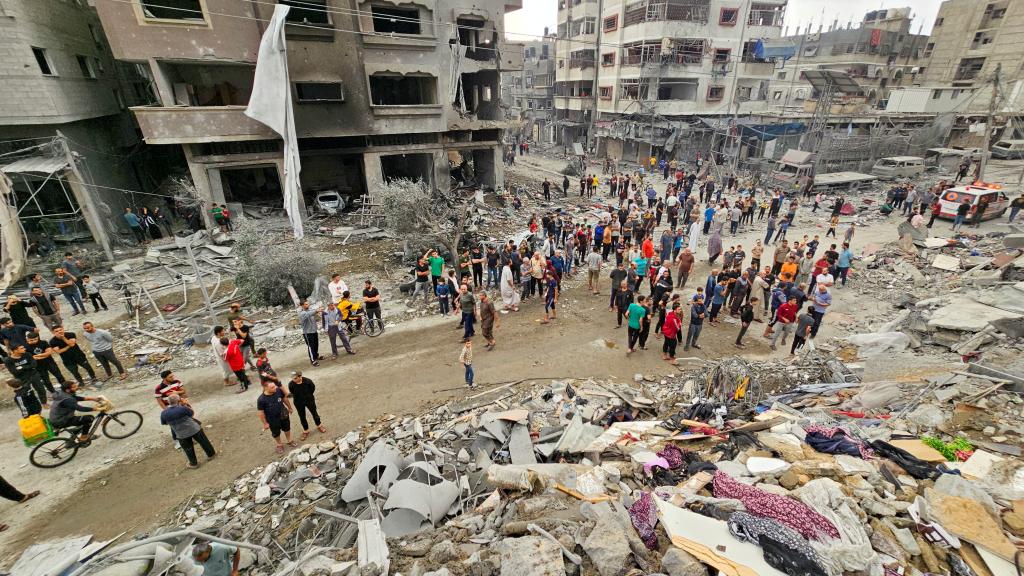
point(63, 29)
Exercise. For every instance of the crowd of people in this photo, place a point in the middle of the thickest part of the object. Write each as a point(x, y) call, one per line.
point(638, 245)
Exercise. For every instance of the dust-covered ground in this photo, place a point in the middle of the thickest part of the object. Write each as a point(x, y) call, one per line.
point(132, 484)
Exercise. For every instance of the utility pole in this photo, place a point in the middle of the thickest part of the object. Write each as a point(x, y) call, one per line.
point(596, 87)
point(745, 15)
point(988, 122)
point(84, 198)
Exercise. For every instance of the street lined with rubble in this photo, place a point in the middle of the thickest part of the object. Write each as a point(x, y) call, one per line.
point(572, 457)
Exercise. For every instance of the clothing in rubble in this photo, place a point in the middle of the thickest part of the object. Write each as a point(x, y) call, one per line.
point(673, 455)
point(913, 465)
point(644, 516)
point(788, 511)
point(790, 553)
point(834, 440)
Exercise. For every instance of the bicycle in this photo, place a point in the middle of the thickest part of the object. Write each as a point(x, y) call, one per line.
point(357, 322)
point(60, 450)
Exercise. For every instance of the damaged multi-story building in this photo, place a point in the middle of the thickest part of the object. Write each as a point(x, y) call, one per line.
point(969, 42)
point(528, 94)
point(62, 91)
point(626, 69)
point(381, 89)
point(879, 53)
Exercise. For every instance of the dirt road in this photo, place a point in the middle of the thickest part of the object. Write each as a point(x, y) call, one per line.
point(401, 372)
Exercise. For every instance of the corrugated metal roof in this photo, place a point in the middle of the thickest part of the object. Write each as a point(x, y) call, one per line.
point(35, 164)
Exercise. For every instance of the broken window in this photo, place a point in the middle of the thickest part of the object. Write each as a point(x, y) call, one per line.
point(403, 90)
point(173, 9)
point(634, 89)
point(318, 92)
point(969, 68)
point(982, 38)
point(582, 59)
point(307, 12)
point(43, 60)
point(728, 16)
point(722, 55)
point(584, 26)
point(686, 50)
point(744, 93)
point(782, 75)
point(677, 89)
point(390, 20)
point(766, 14)
point(85, 66)
point(608, 59)
point(478, 36)
point(605, 92)
point(544, 52)
point(678, 10)
point(641, 53)
point(777, 95)
point(928, 49)
point(716, 93)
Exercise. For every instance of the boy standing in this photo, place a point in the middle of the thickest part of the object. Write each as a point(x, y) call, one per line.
point(466, 357)
point(92, 290)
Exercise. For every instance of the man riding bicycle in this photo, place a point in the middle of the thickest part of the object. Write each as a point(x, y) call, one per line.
point(66, 405)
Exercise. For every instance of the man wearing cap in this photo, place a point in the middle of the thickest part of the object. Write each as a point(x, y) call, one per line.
point(217, 559)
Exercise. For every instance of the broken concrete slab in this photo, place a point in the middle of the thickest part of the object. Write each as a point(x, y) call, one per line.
point(607, 547)
point(531, 556)
point(944, 262)
point(967, 315)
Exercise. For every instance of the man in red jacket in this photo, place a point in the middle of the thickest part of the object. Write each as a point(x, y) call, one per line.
point(236, 361)
point(670, 330)
point(785, 321)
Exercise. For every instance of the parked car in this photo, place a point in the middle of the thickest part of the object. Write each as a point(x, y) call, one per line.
point(1008, 149)
point(330, 202)
point(898, 167)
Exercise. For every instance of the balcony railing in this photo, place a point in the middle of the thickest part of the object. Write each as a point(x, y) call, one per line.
point(676, 10)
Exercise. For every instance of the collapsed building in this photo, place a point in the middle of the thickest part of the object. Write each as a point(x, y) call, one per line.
point(388, 90)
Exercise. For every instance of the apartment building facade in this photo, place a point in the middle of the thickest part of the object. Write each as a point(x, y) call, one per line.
point(880, 53)
point(380, 90)
point(643, 63)
point(57, 74)
point(529, 93)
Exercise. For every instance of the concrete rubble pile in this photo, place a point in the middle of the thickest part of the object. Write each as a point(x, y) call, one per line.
point(710, 470)
point(961, 294)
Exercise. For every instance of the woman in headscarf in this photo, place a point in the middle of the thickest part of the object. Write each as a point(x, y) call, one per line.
point(509, 294)
point(150, 224)
point(714, 245)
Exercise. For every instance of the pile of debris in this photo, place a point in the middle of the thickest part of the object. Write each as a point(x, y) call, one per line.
point(961, 294)
point(590, 477)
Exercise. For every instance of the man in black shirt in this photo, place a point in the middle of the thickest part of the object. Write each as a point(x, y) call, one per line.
point(547, 189)
point(71, 355)
point(492, 266)
point(244, 333)
point(18, 310)
point(422, 277)
point(371, 301)
point(22, 366)
point(697, 313)
point(43, 354)
point(273, 409)
point(746, 317)
point(301, 390)
point(12, 334)
point(46, 307)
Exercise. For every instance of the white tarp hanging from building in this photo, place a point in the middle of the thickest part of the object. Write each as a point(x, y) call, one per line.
point(271, 104)
point(12, 242)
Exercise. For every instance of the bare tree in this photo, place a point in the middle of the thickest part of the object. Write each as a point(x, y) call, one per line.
point(411, 209)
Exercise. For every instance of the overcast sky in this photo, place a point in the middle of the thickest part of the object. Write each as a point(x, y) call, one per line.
point(536, 14)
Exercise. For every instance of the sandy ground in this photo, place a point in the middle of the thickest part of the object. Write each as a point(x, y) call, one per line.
point(130, 485)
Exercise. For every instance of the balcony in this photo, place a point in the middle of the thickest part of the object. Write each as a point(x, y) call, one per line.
point(666, 10)
point(198, 124)
point(574, 102)
point(756, 69)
